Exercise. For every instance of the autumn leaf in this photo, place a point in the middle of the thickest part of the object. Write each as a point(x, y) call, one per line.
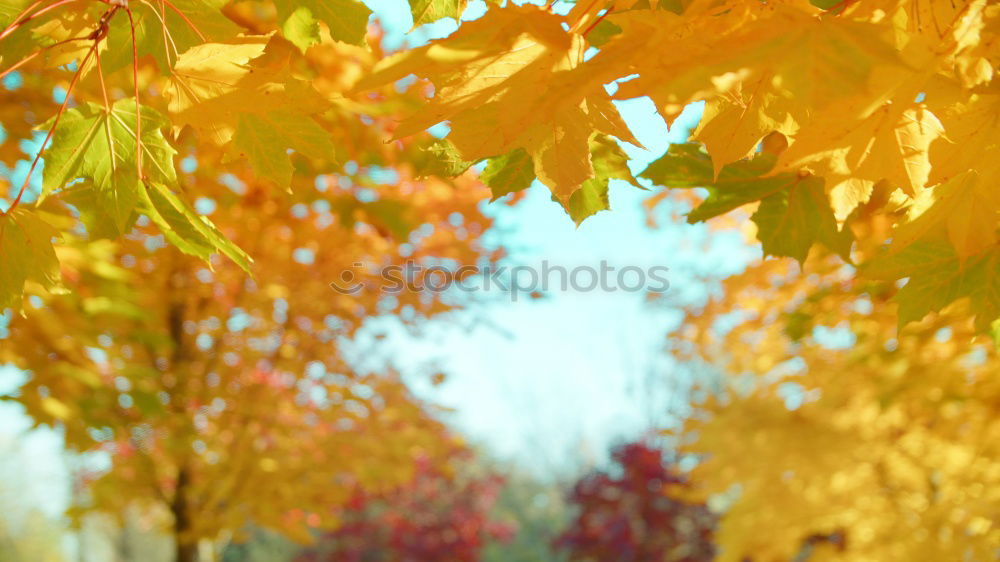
point(347, 20)
point(26, 247)
point(610, 162)
point(939, 276)
point(191, 233)
point(10, 10)
point(442, 160)
point(490, 81)
point(210, 70)
point(215, 90)
point(733, 124)
point(509, 173)
point(966, 207)
point(98, 218)
point(971, 124)
point(99, 145)
point(302, 29)
point(794, 211)
point(265, 138)
point(427, 11)
point(890, 144)
point(790, 221)
point(687, 166)
point(165, 29)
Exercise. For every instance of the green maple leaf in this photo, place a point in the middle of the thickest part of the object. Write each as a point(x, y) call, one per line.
point(790, 221)
point(301, 29)
point(794, 210)
point(937, 277)
point(427, 11)
point(26, 247)
point(190, 232)
point(95, 144)
point(264, 139)
point(610, 162)
point(739, 183)
point(203, 22)
point(347, 20)
point(442, 160)
point(99, 219)
point(509, 173)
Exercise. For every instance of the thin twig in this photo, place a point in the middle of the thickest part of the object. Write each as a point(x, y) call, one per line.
point(31, 57)
point(17, 19)
point(52, 129)
point(599, 19)
point(135, 85)
point(97, 35)
point(186, 20)
point(17, 24)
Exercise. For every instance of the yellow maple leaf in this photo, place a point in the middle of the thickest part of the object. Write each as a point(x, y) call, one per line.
point(854, 154)
point(208, 71)
point(971, 130)
point(967, 207)
point(734, 123)
point(495, 80)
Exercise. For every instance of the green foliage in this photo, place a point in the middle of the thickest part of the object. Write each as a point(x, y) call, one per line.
point(265, 138)
point(509, 173)
point(26, 247)
point(610, 162)
point(191, 233)
point(427, 11)
point(99, 145)
point(347, 20)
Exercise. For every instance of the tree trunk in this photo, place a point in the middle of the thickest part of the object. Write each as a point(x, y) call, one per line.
point(186, 546)
point(186, 552)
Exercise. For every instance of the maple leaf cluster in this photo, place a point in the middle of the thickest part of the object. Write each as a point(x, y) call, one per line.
point(816, 114)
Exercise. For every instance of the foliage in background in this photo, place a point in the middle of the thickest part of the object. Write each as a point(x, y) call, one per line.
point(36, 539)
point(441, 514)
point(536, 507)
point(631, 514)
point(846, 439)
point(213, 381)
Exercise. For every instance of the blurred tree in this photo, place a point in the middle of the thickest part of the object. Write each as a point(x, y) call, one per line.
point(220, 399)
point(439, 515)
point(261, 545)
point(35, 539)
point(840, 435)
point(536, 508)
point(631, 515)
